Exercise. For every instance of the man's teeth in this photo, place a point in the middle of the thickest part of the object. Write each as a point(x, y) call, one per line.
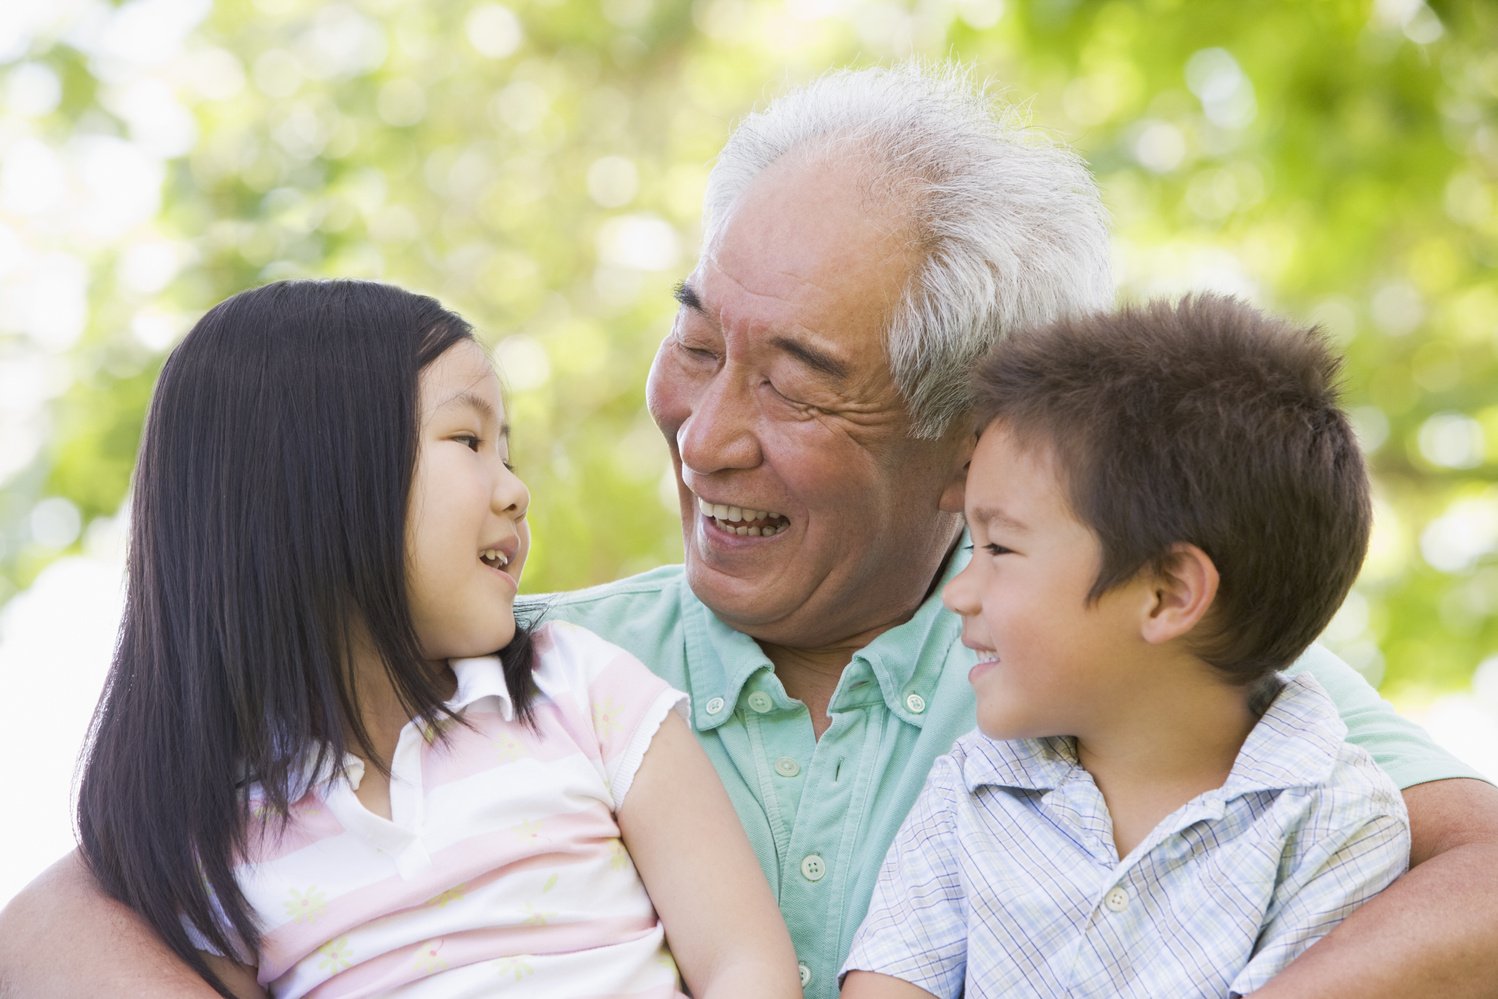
point(494, 557)
point(741, 520)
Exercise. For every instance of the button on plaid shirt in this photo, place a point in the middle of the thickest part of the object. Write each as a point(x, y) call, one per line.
point(1004, 880)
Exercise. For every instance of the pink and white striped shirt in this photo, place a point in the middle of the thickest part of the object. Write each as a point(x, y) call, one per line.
point(501, 870)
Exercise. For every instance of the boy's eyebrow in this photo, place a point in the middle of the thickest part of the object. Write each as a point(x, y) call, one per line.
point(811, 356)
point(993, 515)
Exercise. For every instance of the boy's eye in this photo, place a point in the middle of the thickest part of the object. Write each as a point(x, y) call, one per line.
point(994, 549)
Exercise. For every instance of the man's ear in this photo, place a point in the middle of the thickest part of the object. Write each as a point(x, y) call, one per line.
point(952, 493)
point(1183, 591)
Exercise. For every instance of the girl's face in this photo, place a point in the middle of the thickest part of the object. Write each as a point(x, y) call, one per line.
point(466, 537)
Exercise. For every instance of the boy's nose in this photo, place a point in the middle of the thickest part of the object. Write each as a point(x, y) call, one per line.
point(957, 595)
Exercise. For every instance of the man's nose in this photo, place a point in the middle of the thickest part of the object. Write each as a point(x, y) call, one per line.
point(719, 431)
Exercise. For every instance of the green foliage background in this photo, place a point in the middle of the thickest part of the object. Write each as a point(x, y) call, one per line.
point(539, 167)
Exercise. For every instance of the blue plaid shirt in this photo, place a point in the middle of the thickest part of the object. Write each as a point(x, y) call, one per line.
point(1004, 880)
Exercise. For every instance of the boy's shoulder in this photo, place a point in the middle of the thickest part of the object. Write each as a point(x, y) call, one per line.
point(1298, 756)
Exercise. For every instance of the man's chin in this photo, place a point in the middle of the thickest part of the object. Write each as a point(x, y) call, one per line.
point(744, 602)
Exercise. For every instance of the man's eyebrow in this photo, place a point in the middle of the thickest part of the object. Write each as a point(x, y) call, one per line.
point(686, 295)
point(812, 357)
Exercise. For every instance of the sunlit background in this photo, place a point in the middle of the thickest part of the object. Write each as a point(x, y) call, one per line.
point(538, 166)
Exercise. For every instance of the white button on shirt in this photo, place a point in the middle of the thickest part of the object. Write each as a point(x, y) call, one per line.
point(1116, 900)
point(760, 701)
point(812, 867)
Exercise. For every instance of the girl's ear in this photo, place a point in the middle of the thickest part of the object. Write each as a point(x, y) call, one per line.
point(1183, 591)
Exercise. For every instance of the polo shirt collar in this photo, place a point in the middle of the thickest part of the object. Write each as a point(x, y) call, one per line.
point(906, 661)
point(478, 678)
point(1295, 744)
point(720, 662)
point(1023, 764)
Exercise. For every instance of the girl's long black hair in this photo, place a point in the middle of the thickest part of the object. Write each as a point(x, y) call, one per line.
point(268, 521)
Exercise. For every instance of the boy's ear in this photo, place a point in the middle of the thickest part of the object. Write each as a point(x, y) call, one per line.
point(952, 493)
point(1183, 593)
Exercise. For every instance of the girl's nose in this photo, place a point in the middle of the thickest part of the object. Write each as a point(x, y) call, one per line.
point(510, 493)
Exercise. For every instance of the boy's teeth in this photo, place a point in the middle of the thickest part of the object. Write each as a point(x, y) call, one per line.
point(495, 556)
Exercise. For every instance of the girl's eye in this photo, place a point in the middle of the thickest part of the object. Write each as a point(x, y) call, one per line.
point(994, 549)
point(470, 441)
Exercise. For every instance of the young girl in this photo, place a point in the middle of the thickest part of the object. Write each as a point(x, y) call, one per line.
point(311, 772)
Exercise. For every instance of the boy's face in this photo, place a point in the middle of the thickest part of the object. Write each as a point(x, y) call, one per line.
point(1049, 663)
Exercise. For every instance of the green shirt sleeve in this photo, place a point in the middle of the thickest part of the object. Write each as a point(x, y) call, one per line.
point(1403, 749)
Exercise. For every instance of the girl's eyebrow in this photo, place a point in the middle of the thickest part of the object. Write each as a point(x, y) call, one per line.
point(478, 404)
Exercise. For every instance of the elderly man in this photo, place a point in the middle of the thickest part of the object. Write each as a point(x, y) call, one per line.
point(866, 238)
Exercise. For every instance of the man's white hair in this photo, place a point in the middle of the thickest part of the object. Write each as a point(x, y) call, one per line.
point(1011, 226)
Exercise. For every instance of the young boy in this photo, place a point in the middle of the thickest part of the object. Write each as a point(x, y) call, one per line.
point(1166, 507)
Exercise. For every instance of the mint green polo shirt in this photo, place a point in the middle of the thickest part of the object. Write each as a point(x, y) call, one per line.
point(821, 813)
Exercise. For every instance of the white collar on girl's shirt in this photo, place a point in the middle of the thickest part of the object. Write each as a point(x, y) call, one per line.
point(478, 678)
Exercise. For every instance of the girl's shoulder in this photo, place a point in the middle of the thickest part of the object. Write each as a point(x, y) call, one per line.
point(571, 659)
point(564, 647)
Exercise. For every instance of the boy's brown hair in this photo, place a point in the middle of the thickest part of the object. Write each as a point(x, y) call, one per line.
point(1205, 422)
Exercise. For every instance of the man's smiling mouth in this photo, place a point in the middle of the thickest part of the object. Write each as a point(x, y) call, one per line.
point(743, 521)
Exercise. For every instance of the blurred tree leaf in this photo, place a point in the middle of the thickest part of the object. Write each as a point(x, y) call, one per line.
point(539, 168)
